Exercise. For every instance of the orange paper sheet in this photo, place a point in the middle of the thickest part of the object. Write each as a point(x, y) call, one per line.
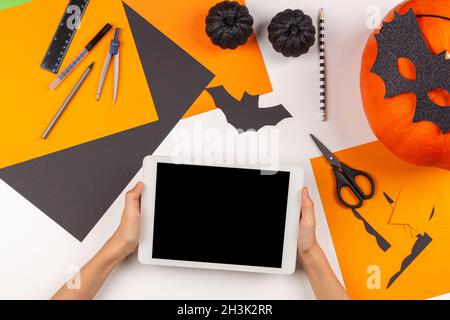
point(27, 105)
point(367, 269)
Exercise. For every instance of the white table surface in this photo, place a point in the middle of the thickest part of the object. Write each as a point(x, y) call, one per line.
point(38, 255)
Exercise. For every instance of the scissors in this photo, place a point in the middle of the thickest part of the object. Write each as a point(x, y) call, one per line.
point(346, 178)
point(113, 51)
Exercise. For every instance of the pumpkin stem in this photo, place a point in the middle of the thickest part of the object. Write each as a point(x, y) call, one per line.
point(229, 21)
point(293, 30)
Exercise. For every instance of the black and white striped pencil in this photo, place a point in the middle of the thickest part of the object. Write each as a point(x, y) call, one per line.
point(322, 67)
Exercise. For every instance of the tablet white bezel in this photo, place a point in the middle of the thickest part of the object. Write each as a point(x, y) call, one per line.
point(148, 205)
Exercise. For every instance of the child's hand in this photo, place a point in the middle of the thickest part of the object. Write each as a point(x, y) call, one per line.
point(307, 233)
point(323, 281)
point(126, 238)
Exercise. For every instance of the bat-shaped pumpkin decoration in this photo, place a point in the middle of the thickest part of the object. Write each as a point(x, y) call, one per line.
point(402, 38)
point(405, 82)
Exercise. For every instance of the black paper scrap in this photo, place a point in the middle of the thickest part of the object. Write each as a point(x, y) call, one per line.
point(388, 198)
point(382, 243)
point(421, 243)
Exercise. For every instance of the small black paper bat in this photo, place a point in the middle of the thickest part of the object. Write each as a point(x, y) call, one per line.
point(245, 114)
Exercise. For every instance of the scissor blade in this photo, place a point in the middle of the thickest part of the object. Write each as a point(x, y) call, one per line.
point(102, 78)
point(326, 153)
point(116, 76)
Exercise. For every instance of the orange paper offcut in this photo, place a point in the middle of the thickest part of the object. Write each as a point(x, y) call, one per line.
point(27, 105)
point(357, 251)
point(408, 206)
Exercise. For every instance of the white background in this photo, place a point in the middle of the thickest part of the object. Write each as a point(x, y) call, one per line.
point(37, 255)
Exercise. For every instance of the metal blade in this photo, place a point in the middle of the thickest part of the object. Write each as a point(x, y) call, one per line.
point(102, 78)
point(326, 153)
point(116, 76)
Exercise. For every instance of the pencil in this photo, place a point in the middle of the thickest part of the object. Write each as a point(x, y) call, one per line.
point(322, 67)
point(67, 101)
point(75, 62)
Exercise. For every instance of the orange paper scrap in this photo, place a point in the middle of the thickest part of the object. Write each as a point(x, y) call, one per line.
point(408, 206)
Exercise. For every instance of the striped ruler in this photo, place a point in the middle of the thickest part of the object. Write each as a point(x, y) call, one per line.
point(322, 69)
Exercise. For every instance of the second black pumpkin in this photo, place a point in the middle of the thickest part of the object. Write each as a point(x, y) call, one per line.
point(292, 33)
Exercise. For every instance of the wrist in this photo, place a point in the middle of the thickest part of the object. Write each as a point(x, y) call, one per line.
point(116, 249)
point(307, 257)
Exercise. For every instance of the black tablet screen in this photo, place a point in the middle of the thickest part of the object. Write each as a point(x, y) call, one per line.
point(220, 215)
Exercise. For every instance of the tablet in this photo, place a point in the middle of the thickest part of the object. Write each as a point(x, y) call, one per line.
point(226, 217)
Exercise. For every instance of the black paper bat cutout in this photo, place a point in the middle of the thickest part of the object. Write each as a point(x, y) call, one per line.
point(402, 38)
point(245, 114)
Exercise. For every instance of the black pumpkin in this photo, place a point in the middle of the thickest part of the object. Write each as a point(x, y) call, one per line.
point(229, 24)
point(292, 33)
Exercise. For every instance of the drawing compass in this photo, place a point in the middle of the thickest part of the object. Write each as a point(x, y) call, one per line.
point(113, 51)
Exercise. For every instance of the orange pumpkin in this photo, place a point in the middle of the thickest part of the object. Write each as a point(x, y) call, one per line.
point(391, 119)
